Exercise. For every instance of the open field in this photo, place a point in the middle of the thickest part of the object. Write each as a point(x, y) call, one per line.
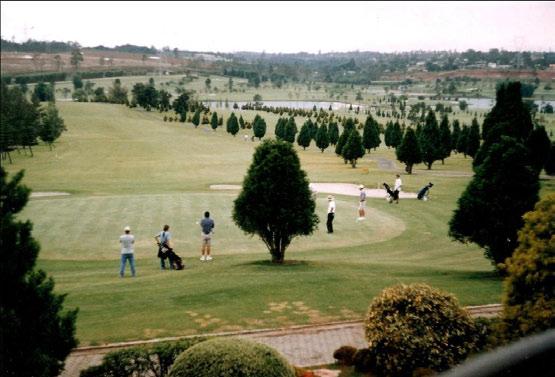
point(127, 167)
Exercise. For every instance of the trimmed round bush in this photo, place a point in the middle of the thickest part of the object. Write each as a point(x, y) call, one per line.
point(228, 357)
point(416, 326)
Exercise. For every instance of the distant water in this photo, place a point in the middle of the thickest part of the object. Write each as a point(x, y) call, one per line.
point(473, 103)
point(487, 103)
point(290, 104)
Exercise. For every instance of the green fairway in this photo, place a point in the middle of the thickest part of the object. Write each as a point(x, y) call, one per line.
point(127, 167)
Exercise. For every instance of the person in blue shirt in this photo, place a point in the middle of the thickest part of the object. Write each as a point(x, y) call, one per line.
point(207, 230)
point(164, 241)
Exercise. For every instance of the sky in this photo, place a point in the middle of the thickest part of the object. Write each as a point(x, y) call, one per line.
point(287, 26)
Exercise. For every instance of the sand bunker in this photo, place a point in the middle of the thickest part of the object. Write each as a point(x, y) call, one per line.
point(349, 189)
point(45, 194)
point(225, 187)
point(353, 190)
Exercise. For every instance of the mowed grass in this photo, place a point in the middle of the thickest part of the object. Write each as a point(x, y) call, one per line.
point(238, 291)
point(128, 167)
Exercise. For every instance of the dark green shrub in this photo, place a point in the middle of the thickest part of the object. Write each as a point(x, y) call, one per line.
point(122, 363)
point(141, 361)
point(165, 353)
point(416, 326)
point(344, 355)
point(529, 294)
point(94, 371)
point(489, 336)
point(225, 357)
point(364, 360)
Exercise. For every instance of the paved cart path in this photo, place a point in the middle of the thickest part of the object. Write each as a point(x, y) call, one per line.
point(302, 345)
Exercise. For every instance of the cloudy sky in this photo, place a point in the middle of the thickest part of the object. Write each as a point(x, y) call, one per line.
point(287, 26)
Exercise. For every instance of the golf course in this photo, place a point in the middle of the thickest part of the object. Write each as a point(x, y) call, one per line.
point(125, 166)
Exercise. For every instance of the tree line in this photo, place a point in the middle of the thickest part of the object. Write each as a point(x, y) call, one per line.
point(24, 122)
point(506, 177)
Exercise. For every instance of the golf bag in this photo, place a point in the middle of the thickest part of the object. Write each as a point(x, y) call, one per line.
point(424, 191)
point(392, 195)
point(175, 260)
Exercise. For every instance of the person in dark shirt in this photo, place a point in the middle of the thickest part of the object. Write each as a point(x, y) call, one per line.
point(207, 227)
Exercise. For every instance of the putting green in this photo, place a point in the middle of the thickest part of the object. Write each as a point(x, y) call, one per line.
point(88, 228)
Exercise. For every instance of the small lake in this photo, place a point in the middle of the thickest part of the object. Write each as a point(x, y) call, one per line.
point(487, 103)
point(473, 103)
point(309, 105)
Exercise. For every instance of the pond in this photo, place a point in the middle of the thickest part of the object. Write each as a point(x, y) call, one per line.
point(487, 103)
point(290, 104)
point(473, 103)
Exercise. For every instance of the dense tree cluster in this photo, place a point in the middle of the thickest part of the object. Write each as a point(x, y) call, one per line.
point(506, 180)
point(23, 122)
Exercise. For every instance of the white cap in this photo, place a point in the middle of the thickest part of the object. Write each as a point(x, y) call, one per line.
point(127, 229)
point(361, 187)
point(330, 197)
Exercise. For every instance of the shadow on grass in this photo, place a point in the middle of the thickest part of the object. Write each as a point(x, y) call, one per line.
point(455, 274)
point(287, 264)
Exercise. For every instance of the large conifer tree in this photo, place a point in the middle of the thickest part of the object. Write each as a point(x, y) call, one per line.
point(539, 145)
point(409, 150)
point(333, 131)
point(490, 210)
point(232, 125)
point(473, 139)
point(322, 138)
point(259, 127)
point(353, 149)
point(445, 138)
point(304, 137)
point(276, 202)
point(455, 135)
point(35, 335)
point(430, 143)
point(509, 116)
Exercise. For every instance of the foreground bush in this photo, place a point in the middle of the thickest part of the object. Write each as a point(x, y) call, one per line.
point(529, 293)
point(364, 360)
point(345, 355)
point(417, 327)
point(141, 361)
point(231, 358)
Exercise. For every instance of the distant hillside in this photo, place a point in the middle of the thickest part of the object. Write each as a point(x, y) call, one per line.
point(55, 46)
point(355, 67)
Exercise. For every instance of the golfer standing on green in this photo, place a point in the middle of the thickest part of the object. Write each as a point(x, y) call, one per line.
point(207, 226)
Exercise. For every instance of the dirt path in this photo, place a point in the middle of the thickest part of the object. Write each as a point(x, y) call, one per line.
point(301, 345)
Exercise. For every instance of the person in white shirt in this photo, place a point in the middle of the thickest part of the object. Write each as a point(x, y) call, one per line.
point(127, 240)
point(397, 188)
point(331, 213)
point(361, 203)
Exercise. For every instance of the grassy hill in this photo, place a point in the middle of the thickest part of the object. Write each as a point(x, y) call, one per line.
point(128, 167)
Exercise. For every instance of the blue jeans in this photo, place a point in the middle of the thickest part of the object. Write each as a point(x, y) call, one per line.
point(125, 257)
